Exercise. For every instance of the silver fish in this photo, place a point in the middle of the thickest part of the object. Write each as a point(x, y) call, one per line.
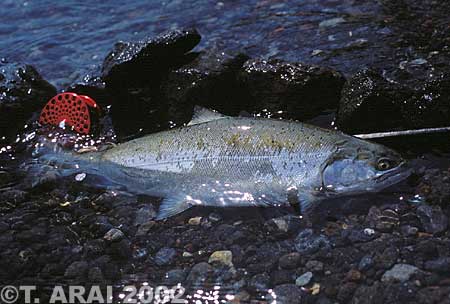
point(218, 160)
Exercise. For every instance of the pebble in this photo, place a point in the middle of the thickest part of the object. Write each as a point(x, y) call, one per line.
point(114, 235)
point(223, 257)
point(331, 22)
point(95, 275)
point(76, 269)
point(441, 265)
point(174, 276)
point(289, 260)
point(314, 265)
point(365, 263)
point(195, 221)
point(304, 279)
point(199, 273)
point(165, 256)
point(283, 225)
point(260, 282)
point(399, 273)
point(408, 230)
point(308, 243)
point(432, 218)
point(286, 294)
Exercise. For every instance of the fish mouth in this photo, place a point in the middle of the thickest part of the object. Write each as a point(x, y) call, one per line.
point(395, 175)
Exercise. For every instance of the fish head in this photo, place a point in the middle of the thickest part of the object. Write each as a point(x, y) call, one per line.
point(360, 166)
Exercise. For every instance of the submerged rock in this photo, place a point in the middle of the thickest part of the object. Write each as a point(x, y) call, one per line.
point(307, 242)
point(304, 279)
point(399, 273)
point(432, 218)
point(23, 91)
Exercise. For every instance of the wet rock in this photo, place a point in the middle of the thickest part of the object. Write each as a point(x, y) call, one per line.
point(289, 261)
point(281, 276)
point(399, 273)
point(284, 225)
point(304, 279)
point(175, 276)
point(224, 257)
point(286, 294)
point(260, 282)
point(363, 95)
point(365, 263)
point(133, 73)
point(441, 265)
point(165, 256)
point(114, 235)
point(199, 274)
point(368, 95)
point(315, 266)
point(77, 269)
point(301, 91)
point(22, 92)
point(121, 249)
point(144, 215)
point(432, 218)
point(307, 242)
point(209, 81)
point(359, 235)
point(195, 221)
point(95, 274)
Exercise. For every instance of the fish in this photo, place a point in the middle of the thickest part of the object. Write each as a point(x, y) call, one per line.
point(223, 161)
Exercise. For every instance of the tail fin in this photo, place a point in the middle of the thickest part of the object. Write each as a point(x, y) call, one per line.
point(51, 162)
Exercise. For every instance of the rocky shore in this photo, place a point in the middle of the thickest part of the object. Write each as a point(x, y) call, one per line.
point(393, 247)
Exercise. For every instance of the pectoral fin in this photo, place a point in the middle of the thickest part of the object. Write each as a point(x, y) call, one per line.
point(171, 206)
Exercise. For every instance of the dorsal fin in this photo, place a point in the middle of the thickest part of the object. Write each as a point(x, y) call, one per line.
point(202, 115)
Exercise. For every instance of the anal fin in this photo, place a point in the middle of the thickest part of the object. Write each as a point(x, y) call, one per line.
point(171, 206)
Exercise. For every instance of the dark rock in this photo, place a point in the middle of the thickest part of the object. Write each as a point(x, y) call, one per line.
point(346, 291)
point(133, 73)
point(165, 256)
point(301, 91)
point(95, 274)
point(432, 218)
point(209, 81)
point(387, 258)
point(307, 242)
point(314, 266)
point(441, 265)
point(399, 273)
point(77, 269)
point(199, 274)
point(289, 261)
point(365, 263)
point(260, 282)
point(175, 276)
point(368, 96)
point(281, 276)
point(121, 249)
point(113, 235)
point(358, 235)
point(286, 294)
point(284, 225)
point(22, 92)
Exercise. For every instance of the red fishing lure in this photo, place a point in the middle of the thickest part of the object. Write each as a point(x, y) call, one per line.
point(69, 109)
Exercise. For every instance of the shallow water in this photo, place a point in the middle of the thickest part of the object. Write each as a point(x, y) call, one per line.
point(66, 39)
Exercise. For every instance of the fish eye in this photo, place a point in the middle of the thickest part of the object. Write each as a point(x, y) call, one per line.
point(384, 164)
